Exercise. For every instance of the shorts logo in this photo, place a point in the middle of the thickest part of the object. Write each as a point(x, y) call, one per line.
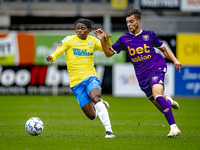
point(145, 37)
point(154, 79)
point(95, 81)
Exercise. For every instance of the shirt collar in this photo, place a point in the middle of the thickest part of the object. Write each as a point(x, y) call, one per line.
point(137, 34)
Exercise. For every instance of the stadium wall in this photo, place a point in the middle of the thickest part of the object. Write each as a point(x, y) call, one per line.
point(23, 69)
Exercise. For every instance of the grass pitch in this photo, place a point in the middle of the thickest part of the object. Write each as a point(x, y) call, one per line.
point(136, 123)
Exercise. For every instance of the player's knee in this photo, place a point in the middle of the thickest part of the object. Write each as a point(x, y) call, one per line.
point(96, 100)
point(91, 117)
point(95, 95)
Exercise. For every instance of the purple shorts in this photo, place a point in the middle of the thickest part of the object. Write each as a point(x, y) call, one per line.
point(155, 78)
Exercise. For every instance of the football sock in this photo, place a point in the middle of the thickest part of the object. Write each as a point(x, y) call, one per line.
point(166, 108)
point(173, 126)
point(102, 112)
point(170, 102)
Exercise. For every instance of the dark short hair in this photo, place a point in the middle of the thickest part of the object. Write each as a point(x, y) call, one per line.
point(89, 23)
point(135, 12)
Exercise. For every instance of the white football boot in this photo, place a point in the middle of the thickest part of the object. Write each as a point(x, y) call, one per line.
point(105, 103)
point(174, 105)
point(109, 134)
point(174, 132)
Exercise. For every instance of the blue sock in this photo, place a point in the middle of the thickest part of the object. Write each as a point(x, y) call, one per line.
point(166, 108)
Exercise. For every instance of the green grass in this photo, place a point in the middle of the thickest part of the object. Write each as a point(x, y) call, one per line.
point(137, 124)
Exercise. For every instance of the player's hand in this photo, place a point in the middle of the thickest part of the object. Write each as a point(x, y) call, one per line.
point(178, 66)
point(99, 33)
point(48, 58)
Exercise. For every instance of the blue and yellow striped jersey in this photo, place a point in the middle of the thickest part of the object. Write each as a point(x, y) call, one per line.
point(79, 56)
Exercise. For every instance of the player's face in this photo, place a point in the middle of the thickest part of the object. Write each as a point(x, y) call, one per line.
point(82, 31)
point(133, 24)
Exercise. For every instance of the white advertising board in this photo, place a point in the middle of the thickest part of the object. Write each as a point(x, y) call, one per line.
point(125, 83)
point(190, 6)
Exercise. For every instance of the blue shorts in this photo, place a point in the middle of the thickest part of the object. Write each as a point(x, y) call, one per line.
point(155, 78)
point(82, 90)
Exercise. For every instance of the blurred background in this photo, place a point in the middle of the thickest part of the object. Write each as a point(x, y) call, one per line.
point(32, 29)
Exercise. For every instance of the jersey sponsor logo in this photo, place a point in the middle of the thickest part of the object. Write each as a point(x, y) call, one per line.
point(139, 50)
point(128, 40)
point(140, 58)
point(81, 52)
point(145, 37)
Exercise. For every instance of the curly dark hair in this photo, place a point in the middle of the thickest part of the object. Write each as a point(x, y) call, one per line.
point(135, 12)
point(89, 23)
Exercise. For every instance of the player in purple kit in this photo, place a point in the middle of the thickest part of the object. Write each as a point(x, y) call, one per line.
point(150, 67)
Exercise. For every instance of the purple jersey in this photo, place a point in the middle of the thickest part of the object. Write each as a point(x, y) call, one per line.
point(141, 52)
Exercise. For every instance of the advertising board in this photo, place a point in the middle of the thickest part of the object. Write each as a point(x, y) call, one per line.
point(125, 82)
point(187, 83)
point(188, 48)
point(34, 80)
point(190, 6)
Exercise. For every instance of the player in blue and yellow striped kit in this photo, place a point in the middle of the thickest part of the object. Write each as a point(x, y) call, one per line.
point(79, 53)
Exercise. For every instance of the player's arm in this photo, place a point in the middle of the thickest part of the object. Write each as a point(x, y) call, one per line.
point(171, 56)
point(107, 37)
point(107, 49)
point(59, 51)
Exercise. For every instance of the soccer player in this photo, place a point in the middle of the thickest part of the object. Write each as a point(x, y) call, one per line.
point(150, 67)
point(79, 53)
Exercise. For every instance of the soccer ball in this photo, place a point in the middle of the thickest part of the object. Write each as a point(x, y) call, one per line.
point(34, 126)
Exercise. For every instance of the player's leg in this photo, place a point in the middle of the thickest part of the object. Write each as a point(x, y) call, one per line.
point(92, 106)
point(89, 110)
point(158, 92)
point(151, 98)
point(174, 104)
point(84, 100)
point(157, 105)
point(147, 89)
point(94, 91)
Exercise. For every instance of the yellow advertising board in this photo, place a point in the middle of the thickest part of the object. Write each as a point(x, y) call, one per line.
point(188, 48)
point(119, 4)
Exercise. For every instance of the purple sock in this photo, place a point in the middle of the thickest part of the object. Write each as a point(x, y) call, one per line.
point(166, 107)
point(169, 102)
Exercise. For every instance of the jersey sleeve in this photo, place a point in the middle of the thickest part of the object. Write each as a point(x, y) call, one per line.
point(118, 46)
point(97, 45)
point(62, 47)
point(156, 40)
